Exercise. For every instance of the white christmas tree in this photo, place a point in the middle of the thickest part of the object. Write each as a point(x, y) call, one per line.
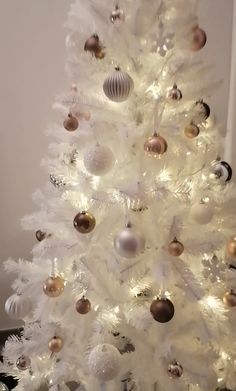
point(131, 286)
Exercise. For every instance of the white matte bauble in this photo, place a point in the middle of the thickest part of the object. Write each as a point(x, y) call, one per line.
point(118, 86)
point(104, 362)
point(18, 306)
point(129, 243)
point(98, 160)
point(3, 387)
point(202, 213)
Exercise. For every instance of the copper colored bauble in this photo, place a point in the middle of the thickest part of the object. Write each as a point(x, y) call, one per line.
point(117, 16)
point(84, 222)
point(23, 363)
point(175, 370)
point(162, 310)
point(94, 46)
point(40, 235)
point(155, 145)
point(71, 123)
point(230, 298)
point(53, 286)
point(99, 55)
point(201, 111)
point(176, 248)
point(174, 93)
point(199, 39)
point(231, 248)
point(55, 344)
point(191, 130)
point(83, 306)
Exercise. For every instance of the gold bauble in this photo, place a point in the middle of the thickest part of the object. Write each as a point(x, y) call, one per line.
point(55, 344)
point(71, 123)
point(191, 130)
point(84, 222)
point(229, 298)
point(231, 248)
point(155, 145)
point(175, 248)
point(53, 286)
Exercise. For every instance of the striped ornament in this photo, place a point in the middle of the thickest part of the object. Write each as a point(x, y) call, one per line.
point(18, 306)
point(118, 86)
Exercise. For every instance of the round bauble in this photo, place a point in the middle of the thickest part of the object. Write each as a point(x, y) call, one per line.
point(175, 248)
point(129, 243)
point(231, 248)
point(23, 363)
point(71, 123)
point(175, 370)
point(118, 85)
point(104, 362)
point(3, 387)
point(55, 344)
point(117, 16)
point(202, 213)
point(84, 222)
point(191, 130)
point(18, 306)
point(199, 39)
point(162, 310)
point(98, 160)
point(223, 171)
point(174, 93)
point(155, 145)
point(229, 298)
point(94, 46)
point(54, 286)
point(83, 306)
point(201, 111)
point(40, 235)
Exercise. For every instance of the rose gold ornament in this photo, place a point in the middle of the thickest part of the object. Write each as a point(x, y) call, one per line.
point(191, 131)
point(174, 93)
point(229, 298)
point(176, 248)
point(84, 222)
point(175, 370)
point(53, 286)
point(83, 306)
point(231, 248)
point(23, 363)
point(199, 39)
point(55, 344)
point(162, 310)
point(71, 123)
point(93, 45)
point(155, 145)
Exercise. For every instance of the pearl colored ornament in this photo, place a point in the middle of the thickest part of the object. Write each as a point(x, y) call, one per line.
point(18, 306)
point(98, 160)
point(155, 145)
point(3, 387)
point(229, 298)
point(231, 248)
point(191, 131)
point(23, 363)
point(104, 362)
point(175, 370)
point(129, 243)
point(199, 38)
point(202, 213)
point(176, 248)
point(54, 286)
point(118, 85)
point(55, 344)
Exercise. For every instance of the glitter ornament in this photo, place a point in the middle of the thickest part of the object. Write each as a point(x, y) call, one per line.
point(202, 213)
point(94, 46)
point(129, 243)
point(175, 248)
point(199, 38)
point(83, 306)
point(98, 160)
point(174, 93)
point(84, 222)
point(222, 171)
point(23, 363)
point(229, 298)
point(175, 370)
point(54, 286)
point(201, 111)
point(155, 145)
point(118, 86)
point(162, 310)
point(231, 248)
point(18, 306)
point(104, 362)
point(71, 123)
point(117, 16)
point(191, 131)
point(55, 344)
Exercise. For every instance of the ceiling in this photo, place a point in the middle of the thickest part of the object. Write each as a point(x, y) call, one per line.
point(31, 73)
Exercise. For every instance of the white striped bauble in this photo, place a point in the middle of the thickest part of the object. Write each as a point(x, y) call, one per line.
point(118, 85)
point(18, 306)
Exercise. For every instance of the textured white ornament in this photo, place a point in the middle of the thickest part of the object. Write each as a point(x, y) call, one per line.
point(104, 362)
point(202, 213)
point(98, 160)
point(129, 243)
point(18, 306)
point(118, 86)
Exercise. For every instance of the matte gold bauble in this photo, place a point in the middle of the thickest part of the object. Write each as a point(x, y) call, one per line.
point(176, 248)
point(229, 298)
point(199, 38)
point(53, 286)
point(84, 222)
point(155, 145)
point(71, 123)
point(83, 306)
point(55, 344)
point(231, 248)
point(191, 130)
point(162, 310)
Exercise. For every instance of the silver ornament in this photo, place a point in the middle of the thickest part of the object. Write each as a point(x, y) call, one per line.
point(223, 171)
point(117, 16)
point(104, 362)
point(18, 306)
point(118, 86)
point(3, 387)
point(23, 363)
point(98, 160)
point(129, 243)
point(175, 370)
point(174, 93)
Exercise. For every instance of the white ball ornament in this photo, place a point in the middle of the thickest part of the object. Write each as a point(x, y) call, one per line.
point(98, 160)
point(118, 85)
point(129, 243)
point(202, 213)
point(104, 362)
point(18, 306)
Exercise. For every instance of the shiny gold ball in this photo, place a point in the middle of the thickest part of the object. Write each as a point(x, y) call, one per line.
point(155, 145)
point(55, 344)
point(231, 248)
point(71, 123)
point(229, 298)
point(84, 222)
point(53, 286)
point(83, 306)
point(191, 130)
point(175, 248)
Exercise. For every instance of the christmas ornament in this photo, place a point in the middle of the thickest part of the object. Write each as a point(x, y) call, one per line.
point(54, 286)
point(117, 16)
point(155, 145)
point(231, 248)
point(162, 310)
point(199, 39)
point(40, 235)
point(71, 123)
point(23, 363)
point(175, 370)
point(201, 111)
point(223, 171)
point(174, 93)
point(202, 213)
point(214, 268)
point(84, 222)
point(191, 130)
point(230, 298)
point(123, 344)
point(129, 243)
point(18, 306)
point(58, 183)
point(55, 344)
point(176, 248)
point(104, 362)
point(83, 306)
point(118, 85)
point(3, 387)
point(94, 46)
point(98, 160)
